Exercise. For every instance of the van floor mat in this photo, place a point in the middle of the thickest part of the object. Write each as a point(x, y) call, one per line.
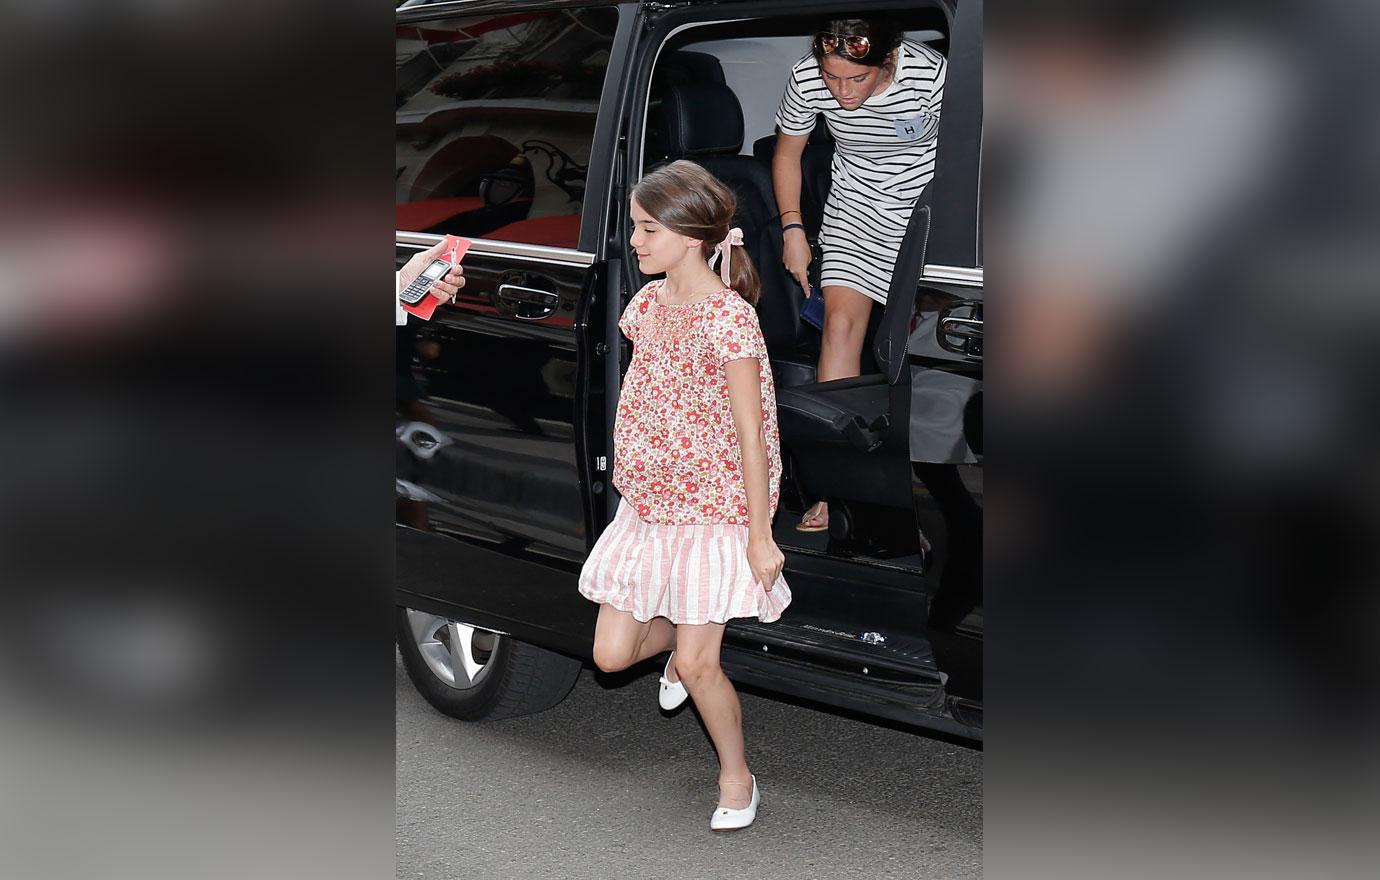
point(820, 544)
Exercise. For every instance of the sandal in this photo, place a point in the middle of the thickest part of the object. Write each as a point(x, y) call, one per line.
point(814, 513)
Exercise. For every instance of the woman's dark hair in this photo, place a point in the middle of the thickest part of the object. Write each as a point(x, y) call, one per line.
point(884, 34)
point(690, 201)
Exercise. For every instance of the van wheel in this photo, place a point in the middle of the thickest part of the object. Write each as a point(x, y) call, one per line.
point(477, 675)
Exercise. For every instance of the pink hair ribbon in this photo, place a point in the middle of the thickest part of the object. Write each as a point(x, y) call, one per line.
point(723, 250)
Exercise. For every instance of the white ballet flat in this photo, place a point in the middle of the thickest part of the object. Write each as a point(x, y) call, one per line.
point(725, 819)
point(672, 693)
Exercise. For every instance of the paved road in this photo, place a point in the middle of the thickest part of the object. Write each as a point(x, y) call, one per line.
point(603, 786)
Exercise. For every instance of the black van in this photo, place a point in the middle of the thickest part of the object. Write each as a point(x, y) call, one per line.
point(522, 125)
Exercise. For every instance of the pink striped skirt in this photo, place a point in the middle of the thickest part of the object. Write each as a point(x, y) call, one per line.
point(694, 573)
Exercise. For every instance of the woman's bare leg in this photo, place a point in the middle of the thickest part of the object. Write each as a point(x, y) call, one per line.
point(697, 660)
point(621, 640)
point(846, 313)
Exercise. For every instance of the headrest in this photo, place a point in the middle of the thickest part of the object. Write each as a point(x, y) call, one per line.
point(701, 119)
point(682, 66)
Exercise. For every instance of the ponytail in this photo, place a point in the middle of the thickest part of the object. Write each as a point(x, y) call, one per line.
point(742, 275)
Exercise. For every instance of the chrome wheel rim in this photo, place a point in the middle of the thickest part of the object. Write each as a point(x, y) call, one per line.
point(456, 653)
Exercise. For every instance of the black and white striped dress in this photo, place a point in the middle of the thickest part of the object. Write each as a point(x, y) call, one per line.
point(883, 157)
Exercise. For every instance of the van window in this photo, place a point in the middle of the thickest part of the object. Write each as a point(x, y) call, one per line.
point(495, 116)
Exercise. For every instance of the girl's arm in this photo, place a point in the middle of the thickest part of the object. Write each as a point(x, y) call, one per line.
point(745, 399)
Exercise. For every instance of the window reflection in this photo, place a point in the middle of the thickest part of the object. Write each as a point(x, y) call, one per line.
point(495, 115)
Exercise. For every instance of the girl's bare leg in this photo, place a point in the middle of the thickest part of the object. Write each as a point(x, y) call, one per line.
point(697, 661)
point(621, 640)
point(846, 312)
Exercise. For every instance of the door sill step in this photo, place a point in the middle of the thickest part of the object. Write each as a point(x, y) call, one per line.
point(901, 659)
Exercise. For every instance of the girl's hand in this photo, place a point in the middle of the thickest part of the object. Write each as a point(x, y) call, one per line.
point(446, 287)
point(796, 256)
point(765, 560)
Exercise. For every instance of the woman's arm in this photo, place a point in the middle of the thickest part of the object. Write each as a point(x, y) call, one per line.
point(785, 182)
point(745, 399)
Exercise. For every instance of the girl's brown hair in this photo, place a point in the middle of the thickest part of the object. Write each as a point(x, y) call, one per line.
point(690, 201)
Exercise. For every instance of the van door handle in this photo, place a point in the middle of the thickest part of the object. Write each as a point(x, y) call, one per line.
point(968, 328)
point(527, 303)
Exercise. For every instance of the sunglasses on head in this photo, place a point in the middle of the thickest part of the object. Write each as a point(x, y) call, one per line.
point(851, 45)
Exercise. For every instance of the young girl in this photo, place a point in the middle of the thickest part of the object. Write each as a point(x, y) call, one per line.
point(697, 460)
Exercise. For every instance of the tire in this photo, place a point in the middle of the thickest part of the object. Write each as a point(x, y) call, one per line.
point(498, 677)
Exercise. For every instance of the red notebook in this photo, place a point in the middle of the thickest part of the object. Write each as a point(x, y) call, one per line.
point(454, 249)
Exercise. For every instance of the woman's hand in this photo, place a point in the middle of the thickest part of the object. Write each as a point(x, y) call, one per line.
point(446, 287)
point(797, 257)
point(765, 560)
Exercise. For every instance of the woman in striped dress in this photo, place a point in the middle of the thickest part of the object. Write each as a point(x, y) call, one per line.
point(881, 97)
point(697, 459)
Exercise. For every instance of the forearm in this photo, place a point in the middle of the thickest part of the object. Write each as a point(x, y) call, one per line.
point(745, 399)
point(785, 183)
point(755, 478)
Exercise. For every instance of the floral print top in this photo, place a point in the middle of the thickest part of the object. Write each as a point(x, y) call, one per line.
point(676, 457)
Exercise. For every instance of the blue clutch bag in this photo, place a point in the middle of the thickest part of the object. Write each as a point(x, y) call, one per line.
point(812, 312)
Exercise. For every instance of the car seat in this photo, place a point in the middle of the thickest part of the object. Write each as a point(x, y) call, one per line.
point(850, 438)
point(816, 173)
point(702, 121)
